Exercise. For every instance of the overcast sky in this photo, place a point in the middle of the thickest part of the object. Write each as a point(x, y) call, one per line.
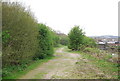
point(95, 17)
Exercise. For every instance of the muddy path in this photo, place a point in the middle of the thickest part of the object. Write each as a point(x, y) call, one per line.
point(66, 65)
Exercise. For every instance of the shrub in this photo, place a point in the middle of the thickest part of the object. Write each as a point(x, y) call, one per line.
point(19, 34)
point(89, 42)
point(45, 42)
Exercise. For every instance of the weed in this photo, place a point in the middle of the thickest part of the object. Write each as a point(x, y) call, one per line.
point(22, 69)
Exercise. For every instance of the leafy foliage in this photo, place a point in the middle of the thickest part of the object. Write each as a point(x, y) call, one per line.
point(23, 39)
point(55, 38)
point(75, 38)
point(64, 40)
point(59, 38)
point(20, 28)
point(45, 42)
point(89, 42)
point(5, 36)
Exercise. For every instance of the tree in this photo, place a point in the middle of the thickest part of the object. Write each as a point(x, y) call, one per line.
point(75, 38)
point(45, 42)
point(63, 39)
point(55, 38)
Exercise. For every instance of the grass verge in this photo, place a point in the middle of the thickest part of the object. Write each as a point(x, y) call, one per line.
point(20, 71)
point(106, 67)
point(32, 66)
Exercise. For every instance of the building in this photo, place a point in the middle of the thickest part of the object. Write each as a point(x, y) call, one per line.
point(102, 45)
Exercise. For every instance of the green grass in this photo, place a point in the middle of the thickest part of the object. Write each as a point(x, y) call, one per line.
point(32, 66)
point(59, 46)
point(105, 66)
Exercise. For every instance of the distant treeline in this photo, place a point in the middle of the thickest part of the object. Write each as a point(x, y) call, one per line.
point(23, 38)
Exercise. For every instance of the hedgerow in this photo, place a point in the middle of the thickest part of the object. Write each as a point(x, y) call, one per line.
point(19, 34)
point(45, 42)
point(24, 40)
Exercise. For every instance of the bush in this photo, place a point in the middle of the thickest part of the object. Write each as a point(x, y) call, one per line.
point(19, 34)
point(55, 38)
point(45, 42)
point(89, 42)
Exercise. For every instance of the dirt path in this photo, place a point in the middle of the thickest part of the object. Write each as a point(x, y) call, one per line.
point(54, 68)
point(66, 65)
